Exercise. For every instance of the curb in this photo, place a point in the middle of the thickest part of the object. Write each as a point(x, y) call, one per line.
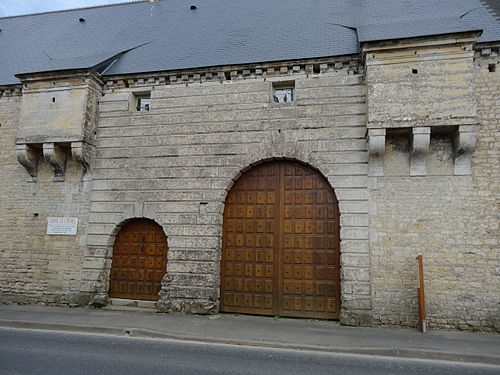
point(411, 353)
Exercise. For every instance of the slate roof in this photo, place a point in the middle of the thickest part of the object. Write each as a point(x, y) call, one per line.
point(168, 35)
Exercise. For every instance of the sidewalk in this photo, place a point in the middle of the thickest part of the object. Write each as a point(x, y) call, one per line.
point(261, 331)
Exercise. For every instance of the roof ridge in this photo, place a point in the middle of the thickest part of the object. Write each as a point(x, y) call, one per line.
point(125, 2)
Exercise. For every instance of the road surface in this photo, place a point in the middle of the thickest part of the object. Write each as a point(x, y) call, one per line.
point(47, 352)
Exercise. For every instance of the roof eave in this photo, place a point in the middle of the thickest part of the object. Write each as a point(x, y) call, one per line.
point(455, 37)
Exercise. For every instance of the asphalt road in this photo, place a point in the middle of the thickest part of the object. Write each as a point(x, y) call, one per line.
point(46, 352)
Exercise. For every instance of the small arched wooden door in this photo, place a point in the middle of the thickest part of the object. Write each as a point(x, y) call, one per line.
point(281, 244)
point(139, 261)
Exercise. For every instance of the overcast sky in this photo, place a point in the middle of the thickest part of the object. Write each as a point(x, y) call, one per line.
point(15, 7)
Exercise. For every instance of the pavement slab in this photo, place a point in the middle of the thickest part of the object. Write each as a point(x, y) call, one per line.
point(302, 334)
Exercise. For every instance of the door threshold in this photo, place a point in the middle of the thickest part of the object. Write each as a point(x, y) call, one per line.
point(123, 304)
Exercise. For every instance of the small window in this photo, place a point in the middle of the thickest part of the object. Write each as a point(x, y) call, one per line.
point(143, 102)
point(283, 92)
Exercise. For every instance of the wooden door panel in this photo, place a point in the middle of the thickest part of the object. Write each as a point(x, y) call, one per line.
point(281, 244)
point(247, 265)
point(139, 261)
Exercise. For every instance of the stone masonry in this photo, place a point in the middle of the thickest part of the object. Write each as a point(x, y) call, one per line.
point(449, 218)
point(406, 133)
point(176, 164)
point(37, 268)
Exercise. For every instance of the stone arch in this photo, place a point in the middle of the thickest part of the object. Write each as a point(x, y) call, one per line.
point(261, 231)
point(118, 225)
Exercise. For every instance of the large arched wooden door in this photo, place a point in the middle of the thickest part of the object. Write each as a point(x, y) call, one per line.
point(139, 261)
point(281, 244)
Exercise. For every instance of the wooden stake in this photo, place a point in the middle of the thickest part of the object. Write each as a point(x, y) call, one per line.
point(422, 323)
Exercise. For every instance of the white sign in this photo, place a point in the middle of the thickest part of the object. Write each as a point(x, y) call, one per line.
point(65, 226)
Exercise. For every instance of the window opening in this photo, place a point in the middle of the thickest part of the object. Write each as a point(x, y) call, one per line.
point(143, 102)
point(284, 92)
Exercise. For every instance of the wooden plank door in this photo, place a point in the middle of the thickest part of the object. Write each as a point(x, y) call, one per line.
point(310, 255)
point(139, 261)
point(249, 261)
point(281, 244)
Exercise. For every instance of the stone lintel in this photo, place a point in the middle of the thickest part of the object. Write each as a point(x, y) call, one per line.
point(409, 122)
point(465, 143)
point(28, 156)
point(376, 150)
point(420, 142)
point(56, 156)
point(39, 139)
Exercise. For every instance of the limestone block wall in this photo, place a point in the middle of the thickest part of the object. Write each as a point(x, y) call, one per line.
point(453, 221)
point(176, 163)
point(420, 82)
point(434, 189)
point(54, 109)
point(37, 268)
point(58, 115)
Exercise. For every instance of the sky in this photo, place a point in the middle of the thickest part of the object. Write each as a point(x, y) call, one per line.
point(16, 7)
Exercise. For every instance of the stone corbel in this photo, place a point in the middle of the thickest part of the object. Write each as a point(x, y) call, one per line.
point(28, 157)
point(81, 153)
point(465, 143)
point(421, 139)
point(56, 156)
point(376, 150)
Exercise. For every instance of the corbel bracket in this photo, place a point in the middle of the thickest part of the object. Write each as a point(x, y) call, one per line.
point(56, 156)
point(421, 139)
point(465, 143)
point(80, 151)
point(376, 150)
point(28, 157)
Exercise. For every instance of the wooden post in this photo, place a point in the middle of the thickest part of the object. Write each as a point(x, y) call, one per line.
point(422, 323)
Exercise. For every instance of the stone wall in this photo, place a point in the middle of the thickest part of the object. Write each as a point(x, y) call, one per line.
point(37, 268)
point(420, 82)
point(176, 163)
point(453, 221)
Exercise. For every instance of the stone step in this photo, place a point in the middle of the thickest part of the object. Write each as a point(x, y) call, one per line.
point(130, 308)
point(131, 305)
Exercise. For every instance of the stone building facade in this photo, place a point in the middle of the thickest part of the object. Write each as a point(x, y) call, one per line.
point(405, 132)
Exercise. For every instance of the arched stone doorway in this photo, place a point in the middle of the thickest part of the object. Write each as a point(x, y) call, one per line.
point(281, 243)
point(139, 261)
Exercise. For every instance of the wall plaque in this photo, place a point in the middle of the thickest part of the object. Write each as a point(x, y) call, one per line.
point(63, 226)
